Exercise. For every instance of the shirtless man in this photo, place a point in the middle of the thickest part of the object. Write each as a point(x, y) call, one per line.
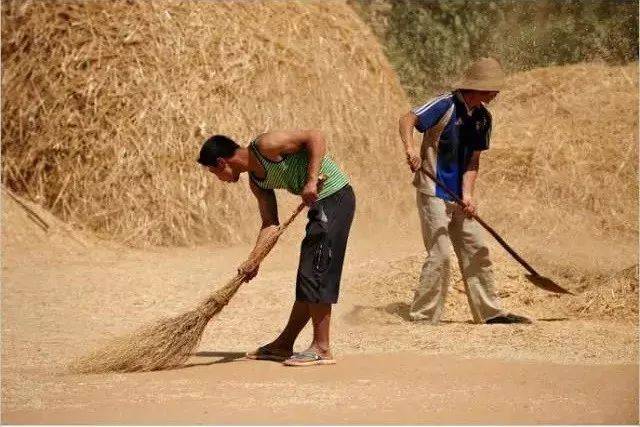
point(293, 160)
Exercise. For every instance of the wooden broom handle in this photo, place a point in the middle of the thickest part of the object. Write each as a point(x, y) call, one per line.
point(260, 252)
point(321, 179)
point(500, 240)
point(293, 216)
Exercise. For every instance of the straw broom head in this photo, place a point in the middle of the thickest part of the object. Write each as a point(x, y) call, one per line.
point(170, 342)
point(165, 344)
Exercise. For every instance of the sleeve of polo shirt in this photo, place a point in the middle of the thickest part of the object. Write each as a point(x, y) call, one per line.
point(484, 135)
point(430, 113)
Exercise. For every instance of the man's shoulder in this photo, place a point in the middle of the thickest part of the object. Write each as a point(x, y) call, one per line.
point(267, 141)
point(440, 102)
point(277, 143)
point(444, 98)
point(266, 144)
point(276, 137)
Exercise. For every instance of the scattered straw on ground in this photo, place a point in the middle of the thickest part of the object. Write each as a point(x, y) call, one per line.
point(170, 342)
point(162, 345)
point(613, 296)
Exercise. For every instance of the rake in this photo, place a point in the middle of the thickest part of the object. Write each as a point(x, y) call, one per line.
point(534, 277)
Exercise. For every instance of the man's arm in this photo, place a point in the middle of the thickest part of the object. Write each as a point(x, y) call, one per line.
point(276, 144)
point(407, 123)
point(469, 183)
point(268, 207)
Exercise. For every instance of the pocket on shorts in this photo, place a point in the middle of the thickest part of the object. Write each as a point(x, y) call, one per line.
point(322, 256)
point(318, 241)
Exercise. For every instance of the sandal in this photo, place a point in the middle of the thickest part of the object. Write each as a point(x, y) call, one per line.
point(265, 353)
point(308, 358)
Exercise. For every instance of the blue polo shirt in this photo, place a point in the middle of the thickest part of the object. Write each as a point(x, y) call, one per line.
point(466, 132)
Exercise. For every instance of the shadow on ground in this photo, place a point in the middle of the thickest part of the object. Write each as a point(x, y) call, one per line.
point(217, 356)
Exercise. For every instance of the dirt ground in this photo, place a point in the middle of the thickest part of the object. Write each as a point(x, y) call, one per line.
point(62, 296)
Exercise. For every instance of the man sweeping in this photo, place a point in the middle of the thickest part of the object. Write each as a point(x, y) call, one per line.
point(293, 160)
point(457, 129)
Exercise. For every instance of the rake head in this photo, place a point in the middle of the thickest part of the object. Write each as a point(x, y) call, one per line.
point(547, 284)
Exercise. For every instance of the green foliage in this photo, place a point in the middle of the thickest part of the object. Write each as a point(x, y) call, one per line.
point(430, 42)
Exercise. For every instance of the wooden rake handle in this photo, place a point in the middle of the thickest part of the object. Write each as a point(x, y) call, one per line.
point(486, 226)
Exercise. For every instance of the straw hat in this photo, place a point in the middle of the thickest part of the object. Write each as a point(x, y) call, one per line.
point(484, 74)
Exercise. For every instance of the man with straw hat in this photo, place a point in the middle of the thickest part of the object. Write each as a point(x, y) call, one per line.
point(456, 128)
point(294, 160)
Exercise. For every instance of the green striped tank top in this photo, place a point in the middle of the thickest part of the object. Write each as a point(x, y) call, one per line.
point(290, 173)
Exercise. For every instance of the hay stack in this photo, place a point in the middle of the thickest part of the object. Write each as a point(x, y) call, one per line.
point(106, 103)
point(564, 152)
point(30, 234)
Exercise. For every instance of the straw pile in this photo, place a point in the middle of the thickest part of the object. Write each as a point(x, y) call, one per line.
point(605, 296)
point(30, 234)
point(564, 152)
point(105, 105)
point(613, 297)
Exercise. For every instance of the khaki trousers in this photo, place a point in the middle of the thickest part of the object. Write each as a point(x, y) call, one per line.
point(444, 223)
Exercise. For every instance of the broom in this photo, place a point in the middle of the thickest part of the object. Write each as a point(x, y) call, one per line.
point(170, 342)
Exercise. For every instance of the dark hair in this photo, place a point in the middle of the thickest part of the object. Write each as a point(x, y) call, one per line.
point(215, 147)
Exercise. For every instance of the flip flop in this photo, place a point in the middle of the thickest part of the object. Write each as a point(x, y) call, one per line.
point(308, 358)
point(264, 353)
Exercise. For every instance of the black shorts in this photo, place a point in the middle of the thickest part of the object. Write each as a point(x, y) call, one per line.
point(323, 248)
